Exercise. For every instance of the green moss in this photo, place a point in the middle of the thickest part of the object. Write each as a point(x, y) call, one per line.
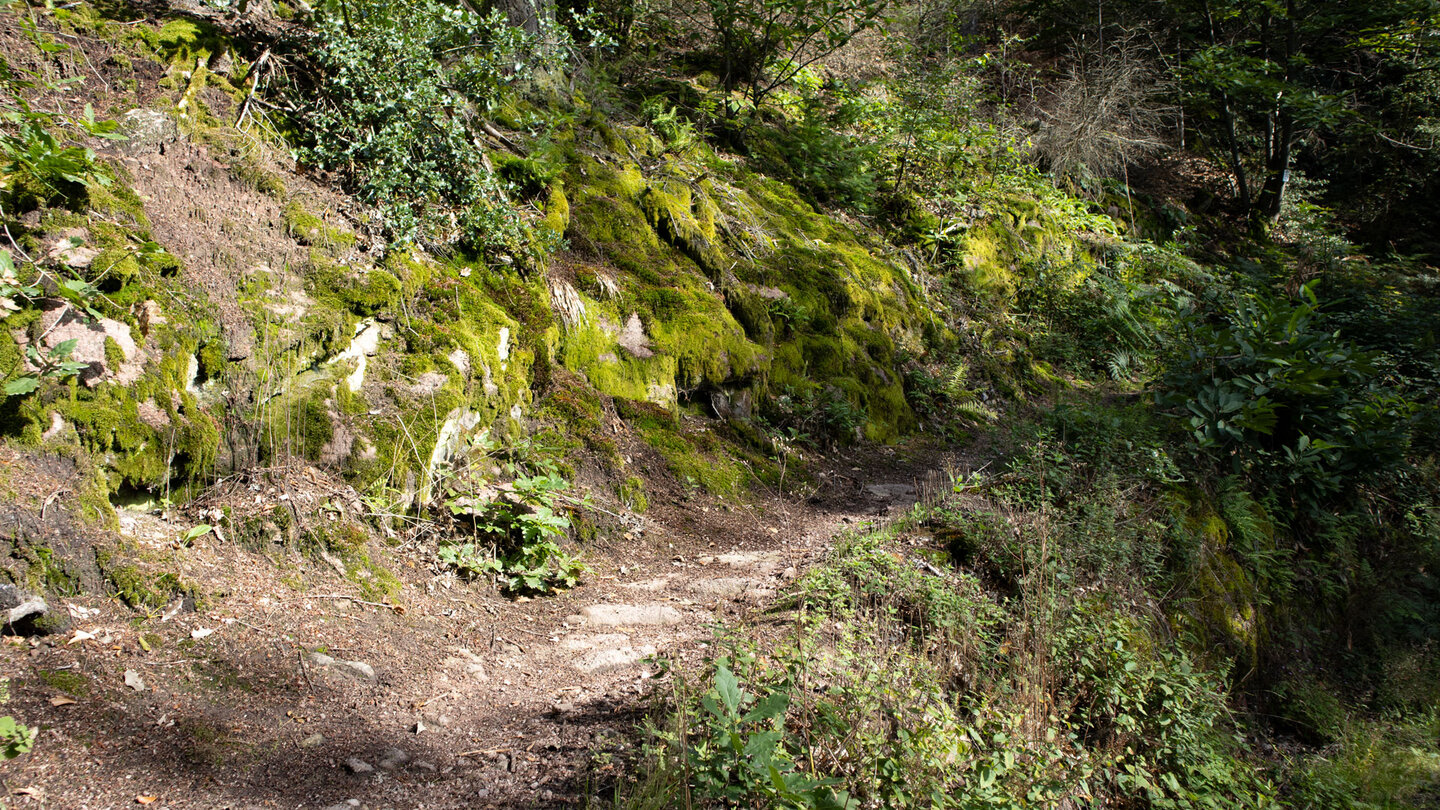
point(263, 181)
point(697, 459)
point(1223, 610)
point(309, 229)
point(348, 542)
point(68, 681)
point(592, 352)
point(138, 588)
point(362, 292)
point(114, 355)
point(529, 174)
point(47, 571)
point(211, 358)
point(557, 209)
point(299, 425)
point(376, 583)
point(632, 493)
point(134, 451)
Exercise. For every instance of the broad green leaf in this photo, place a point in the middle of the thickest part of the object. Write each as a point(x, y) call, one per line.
point(728, 688)
point(21, 386)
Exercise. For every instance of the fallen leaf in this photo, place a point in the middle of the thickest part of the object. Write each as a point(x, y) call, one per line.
point(134, 681)
point(81, 635)
point(32, 792)
point(145, 799)
point(62, 700)
point(201, 633)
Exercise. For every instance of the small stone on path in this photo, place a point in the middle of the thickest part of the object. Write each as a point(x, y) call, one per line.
point(313, 741)
point(763, 562)
point(394, 758)
point(359, 669)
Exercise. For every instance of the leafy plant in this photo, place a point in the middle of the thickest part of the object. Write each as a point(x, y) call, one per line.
point(1283, 401)
point(516, 525)
point(740, 756)
point(38, 163)
point(54, 363)
point(15, 738)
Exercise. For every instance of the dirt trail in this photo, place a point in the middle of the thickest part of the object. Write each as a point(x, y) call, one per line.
point(282, 693)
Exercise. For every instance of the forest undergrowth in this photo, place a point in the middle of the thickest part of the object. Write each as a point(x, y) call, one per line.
point(1102, 238)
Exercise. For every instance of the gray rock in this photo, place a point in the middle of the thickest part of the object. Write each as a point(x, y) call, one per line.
point(607, 660)
point(320, 659)
point(627, 615)
point(359, 669)
point(313, 741)
point(147, 132)
point(394, 759)
point(888, 491)
point(26, 614)
point(357, 765)
point(723, 587)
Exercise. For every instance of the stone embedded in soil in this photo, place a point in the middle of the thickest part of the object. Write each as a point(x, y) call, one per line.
point(606, 652)
point(763, 562)
point(359, 669)
point(605, 660)
point(355, 669)
point(357, 765)
point(648, 585)
point(394, 759)
point(313, 741)
point(147, 132)
point(724, 587)
point(26, 614)
point(888, 491)
point(628, 615)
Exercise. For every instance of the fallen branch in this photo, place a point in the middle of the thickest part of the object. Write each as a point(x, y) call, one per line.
point(509, 144)
point(356, 600)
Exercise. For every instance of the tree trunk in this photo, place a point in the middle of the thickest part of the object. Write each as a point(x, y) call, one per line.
point(1282, 132)
point(526, 14)
point(1237, 166)
point(1277, 169)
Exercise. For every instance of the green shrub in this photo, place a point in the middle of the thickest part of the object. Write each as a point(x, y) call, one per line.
point(402, 88)
point(1269, 394)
